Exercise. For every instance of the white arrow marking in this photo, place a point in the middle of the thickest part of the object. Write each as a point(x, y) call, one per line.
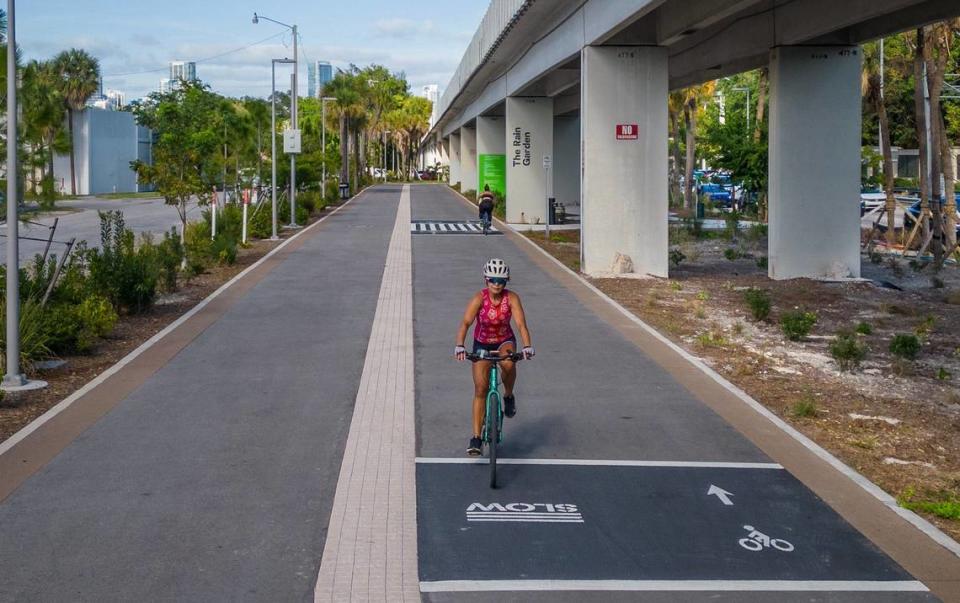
point(722, 494)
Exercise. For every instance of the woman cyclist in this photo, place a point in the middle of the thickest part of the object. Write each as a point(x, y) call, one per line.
point(492, 309)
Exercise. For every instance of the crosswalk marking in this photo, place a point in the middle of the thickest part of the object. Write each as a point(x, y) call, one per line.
point(465, 227)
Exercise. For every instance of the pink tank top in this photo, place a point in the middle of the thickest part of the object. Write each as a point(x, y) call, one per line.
point(493, 320)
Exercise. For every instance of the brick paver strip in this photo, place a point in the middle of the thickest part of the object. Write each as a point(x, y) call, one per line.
point(371, 548)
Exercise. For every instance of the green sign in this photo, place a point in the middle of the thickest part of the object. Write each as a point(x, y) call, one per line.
point(493, 171)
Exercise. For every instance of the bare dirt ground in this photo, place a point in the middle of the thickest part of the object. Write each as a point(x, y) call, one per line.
point(895, 421)
point(16, 411)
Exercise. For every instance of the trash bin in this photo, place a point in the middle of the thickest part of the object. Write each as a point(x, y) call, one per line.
point(552, 208)
point(344, 190)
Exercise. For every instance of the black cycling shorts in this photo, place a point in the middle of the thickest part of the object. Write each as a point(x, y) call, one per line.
point(493, 347)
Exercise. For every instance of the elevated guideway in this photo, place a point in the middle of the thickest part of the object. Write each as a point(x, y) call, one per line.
point(601, 71)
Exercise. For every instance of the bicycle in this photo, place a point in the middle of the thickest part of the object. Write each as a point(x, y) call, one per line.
point(493, 417)
point(485, 223)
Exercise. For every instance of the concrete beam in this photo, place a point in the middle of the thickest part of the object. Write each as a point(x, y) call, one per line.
point(814, 162)
point(529, 131)
point(624, 188)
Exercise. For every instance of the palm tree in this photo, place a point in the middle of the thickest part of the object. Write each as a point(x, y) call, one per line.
point(43, 120)
point(873, 95)
point(79, 78)
point(695, 98)
point(347, 109)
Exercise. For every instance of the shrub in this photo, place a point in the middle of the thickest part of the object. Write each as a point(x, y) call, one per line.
point(260, 221)
point(33, 336)
point(905, 345)
point(731, 253)
point(118, 271)
point(759, 302)
point(763, 262)
point(756, 232)
point(676, 256)
point(169, 255)
point(804, 408)
point(732, 224)
point(943, 374)
point(97, 316)
point(847, 351)
point(863, 328)
point(796, 325)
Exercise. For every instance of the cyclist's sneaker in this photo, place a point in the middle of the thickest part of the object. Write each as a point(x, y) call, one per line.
point(509, 406)
point(475, 447)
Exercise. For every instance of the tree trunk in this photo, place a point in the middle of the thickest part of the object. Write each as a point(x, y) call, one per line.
point(690, 113)
point(73, 171)
point(935, 53)
point(761, 102)
point(920, 111)
point(675, 192)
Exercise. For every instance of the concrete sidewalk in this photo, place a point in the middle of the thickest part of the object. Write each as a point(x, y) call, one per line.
point(214, 479)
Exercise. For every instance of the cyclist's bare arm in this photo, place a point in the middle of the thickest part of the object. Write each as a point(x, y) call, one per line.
point(517, 309)
point(469, 315)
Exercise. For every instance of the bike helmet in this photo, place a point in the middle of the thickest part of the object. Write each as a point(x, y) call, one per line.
point(496, 268)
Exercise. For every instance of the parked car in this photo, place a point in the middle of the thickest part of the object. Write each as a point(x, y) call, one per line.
point(912, 212)
point(716, 193)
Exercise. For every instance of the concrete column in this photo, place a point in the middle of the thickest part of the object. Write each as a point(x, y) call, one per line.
point(529, 136)
point(454, 146)
point(491, 154)
point(814, 162)
point(566, 162)
point(468, 159)
point(624, 182)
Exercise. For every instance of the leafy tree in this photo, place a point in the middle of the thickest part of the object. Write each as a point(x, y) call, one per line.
point(79, 79)
point(187, 125)
point(43, 131)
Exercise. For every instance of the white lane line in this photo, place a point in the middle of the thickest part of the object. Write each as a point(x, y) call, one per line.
point(371, 547)
point(876, 491)
point(146, 345)
point(597, 462)
point(674, 585)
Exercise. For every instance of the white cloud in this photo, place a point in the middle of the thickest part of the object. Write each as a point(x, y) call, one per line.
point(402, 28)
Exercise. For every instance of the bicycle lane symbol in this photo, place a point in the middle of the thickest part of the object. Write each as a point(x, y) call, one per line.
point(757, 541)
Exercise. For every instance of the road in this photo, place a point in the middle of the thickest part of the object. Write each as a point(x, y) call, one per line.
point(79, 219)
point(302, 437)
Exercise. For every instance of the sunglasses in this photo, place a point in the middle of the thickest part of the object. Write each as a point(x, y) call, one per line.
point(497, 281)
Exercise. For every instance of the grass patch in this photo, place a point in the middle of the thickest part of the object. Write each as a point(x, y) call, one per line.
point(759, 302)
point(805, 408)
point(942, 504)
point(711, 339)
point(796, 325)
point(150, 195)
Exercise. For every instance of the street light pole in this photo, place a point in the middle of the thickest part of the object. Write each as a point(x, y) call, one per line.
point(12, 376)
point(273, 142)
point(293, 120)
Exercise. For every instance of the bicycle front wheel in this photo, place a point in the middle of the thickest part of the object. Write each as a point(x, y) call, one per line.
point(493, 435)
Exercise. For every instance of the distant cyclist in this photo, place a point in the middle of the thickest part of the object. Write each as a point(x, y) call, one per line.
point(492, 309)
point(487, 200)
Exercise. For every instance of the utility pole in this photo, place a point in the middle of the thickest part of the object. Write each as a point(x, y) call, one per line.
point(293, 123)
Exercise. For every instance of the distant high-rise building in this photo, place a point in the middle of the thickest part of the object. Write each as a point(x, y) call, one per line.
point(165, 85)
point(431, 92)
point(318, 74)
point(183, 70)
point(112, 100)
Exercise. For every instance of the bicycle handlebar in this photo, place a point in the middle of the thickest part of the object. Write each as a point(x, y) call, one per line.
point(514, 356)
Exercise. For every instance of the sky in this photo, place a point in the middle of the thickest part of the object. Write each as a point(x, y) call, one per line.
point(135, 40)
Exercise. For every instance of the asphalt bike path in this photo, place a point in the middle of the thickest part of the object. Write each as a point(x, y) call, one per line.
point(616, 482)
point(214, 479)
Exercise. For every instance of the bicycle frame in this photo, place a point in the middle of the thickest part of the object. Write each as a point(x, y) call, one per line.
point(493, 392)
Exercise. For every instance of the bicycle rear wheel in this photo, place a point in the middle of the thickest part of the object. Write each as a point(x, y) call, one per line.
point(493, 435)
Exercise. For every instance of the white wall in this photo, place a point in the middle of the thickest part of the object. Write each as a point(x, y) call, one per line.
point(105, 142)
point(529, 133)
point(814, 162)
point(624, 188)
point(566, 161)
point(454, 146)
point(468, 159)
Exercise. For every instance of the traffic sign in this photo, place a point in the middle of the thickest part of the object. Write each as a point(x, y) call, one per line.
point(628, 131)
